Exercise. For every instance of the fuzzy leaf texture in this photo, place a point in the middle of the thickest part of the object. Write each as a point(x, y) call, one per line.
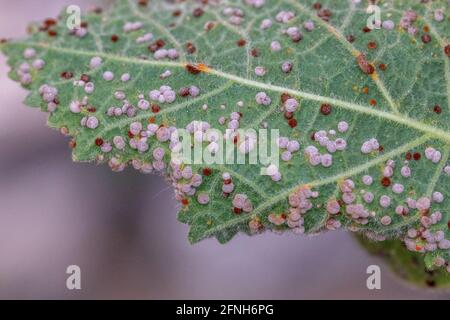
point(372, 120)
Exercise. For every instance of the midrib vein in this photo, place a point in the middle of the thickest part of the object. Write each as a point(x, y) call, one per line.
point(404, 120)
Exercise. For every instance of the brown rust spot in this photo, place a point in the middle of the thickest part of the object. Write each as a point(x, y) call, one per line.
point(197, 68)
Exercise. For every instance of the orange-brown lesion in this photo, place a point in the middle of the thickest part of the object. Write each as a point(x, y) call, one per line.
point(196, 68)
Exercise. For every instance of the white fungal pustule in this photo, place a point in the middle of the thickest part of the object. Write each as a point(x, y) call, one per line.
point(331, 146)
point(368, 197)
point(436, 217)
point(79, 32)
point(401, 210)
point(260, 71)
point(412, 233)
point(433, 154)
point(333, 207)
point(228, 185)
point(294, 33)
point(51, 107)
point(369, 146)
point(438, 197)
point(405, 171)
point(248, 144)
point(255, 226)
point(143, 104)
point(29, 53)
point(135, 128)
point(173, 54)
point(95, 62)
point(119, 95)
point(242, 203)
point(348, 197)
point(194, 91)
point(423, 203)
point(439, 15)
point(388, 24)
point(386, 220)
point(444, 245)
point(274, 173)
point(347, 185)
point(236, 20)
point(263, 99)
point(163, 134)
point(308, 25)
point(160, 54)
point(119, 142)
point(89, 88)
point(340, 144)
point(357, 211)
point(26, 79)
point(108, 76)
point(385, 201)
point(284, 16)
point(125, 77)
point(165, 94)
point(132, 26)
point(146, 168)
point(116, 165)
point(275, 46)
point(159, 165)
point(300, 199)
point(265, 24)
point(398, 188)
point(142, 145)
point(326, 160)
point(38, 64)
point(411, 203)
point(166, 74)
point(145, 38)
point(277, 219)
point(48, 93)
point(286, 156)
point(158, 153)
point(291, 105)
point(333, 224)
point(293, 146)
point(106, 147)
point(255, 3)
point(286, 66)
point(367, 180)
point(342, 126)
point(408, 18)
point(447, 170)
point(203, 198)
point(312, 155)
point(92, 122)
point(388, 171)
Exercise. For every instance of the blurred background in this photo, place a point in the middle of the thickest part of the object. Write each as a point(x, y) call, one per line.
point(121, 229)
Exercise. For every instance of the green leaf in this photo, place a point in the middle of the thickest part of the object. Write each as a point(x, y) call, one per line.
point(408, 265)
point(388, 85)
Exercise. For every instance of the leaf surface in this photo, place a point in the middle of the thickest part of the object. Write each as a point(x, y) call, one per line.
point(403, 104)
